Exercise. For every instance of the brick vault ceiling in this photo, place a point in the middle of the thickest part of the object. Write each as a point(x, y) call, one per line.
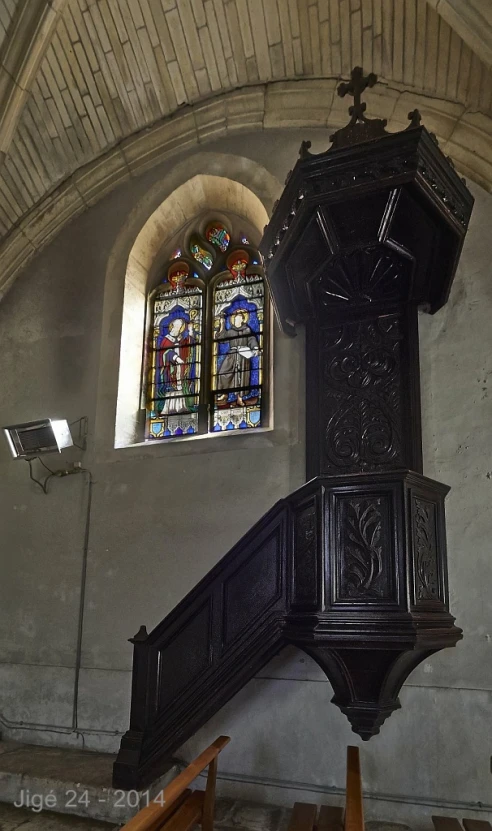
point(114, 67)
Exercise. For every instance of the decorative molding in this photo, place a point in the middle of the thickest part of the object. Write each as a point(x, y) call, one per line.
point(464, 135)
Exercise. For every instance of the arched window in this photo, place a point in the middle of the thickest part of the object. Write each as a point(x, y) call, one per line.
point(205, 363)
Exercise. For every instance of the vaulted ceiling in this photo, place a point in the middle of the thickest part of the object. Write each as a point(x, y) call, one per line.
point(79, 77)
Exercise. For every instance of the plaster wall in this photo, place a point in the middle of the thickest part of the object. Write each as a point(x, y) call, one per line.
point(162, 516)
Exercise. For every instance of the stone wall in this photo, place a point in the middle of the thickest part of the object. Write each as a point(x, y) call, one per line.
point(162, 516)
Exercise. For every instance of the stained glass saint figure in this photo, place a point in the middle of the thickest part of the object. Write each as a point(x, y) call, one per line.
point(177, 363)
point(238, 352)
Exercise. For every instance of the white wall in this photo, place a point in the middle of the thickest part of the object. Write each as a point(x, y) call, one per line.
point(162, 518)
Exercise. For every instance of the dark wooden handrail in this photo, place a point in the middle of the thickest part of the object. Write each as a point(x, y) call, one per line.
point(153, 815)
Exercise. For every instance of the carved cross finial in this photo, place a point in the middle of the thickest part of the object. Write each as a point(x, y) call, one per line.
point(356, 86)
point(359, 128)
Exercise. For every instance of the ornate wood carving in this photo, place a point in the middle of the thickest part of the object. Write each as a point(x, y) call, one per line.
point(361, 548)
point(364, 276)
point(361, 408)
point(426, 565)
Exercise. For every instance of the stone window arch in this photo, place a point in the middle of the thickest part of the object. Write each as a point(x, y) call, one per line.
point(185, 214)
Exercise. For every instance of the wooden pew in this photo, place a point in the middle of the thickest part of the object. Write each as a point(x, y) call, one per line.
point(180, 808)
point(305, 816)
point(451, 824)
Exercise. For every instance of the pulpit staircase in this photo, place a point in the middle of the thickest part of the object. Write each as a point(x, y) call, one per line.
point(286, 582)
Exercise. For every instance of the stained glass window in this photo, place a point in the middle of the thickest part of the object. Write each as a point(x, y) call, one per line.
point(175, 371)
point(206, 355)
point(218, 235)
point(238, 353)
point(201, 254)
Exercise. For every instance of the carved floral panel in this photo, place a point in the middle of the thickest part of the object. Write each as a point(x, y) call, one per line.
point(364, 548)
point(425, 548)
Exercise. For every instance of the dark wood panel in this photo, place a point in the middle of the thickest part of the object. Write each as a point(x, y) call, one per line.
point(188, 654)
point(253, 588)
point(305, 574)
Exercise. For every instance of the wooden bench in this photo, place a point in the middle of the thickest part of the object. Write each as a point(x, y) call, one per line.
point(305, 816)
point(451, 824)
point(179, 808)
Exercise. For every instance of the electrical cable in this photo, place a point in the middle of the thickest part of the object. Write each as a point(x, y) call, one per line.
point(42, 485)
point(83, 581)
point(80, 621)
point(53, 472)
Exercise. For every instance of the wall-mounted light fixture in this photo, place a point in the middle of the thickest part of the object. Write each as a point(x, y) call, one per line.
point(35, 437)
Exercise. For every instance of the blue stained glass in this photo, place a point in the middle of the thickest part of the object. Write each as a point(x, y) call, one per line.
point(255, 417)
point(190, 429)
point(230, 426)
point(243, 425)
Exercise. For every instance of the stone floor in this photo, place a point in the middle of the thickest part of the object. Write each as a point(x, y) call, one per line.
point(69, 781)
point(93, 769)
point(12, 818)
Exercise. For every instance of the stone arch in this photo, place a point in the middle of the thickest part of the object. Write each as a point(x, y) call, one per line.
point(463, 134)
